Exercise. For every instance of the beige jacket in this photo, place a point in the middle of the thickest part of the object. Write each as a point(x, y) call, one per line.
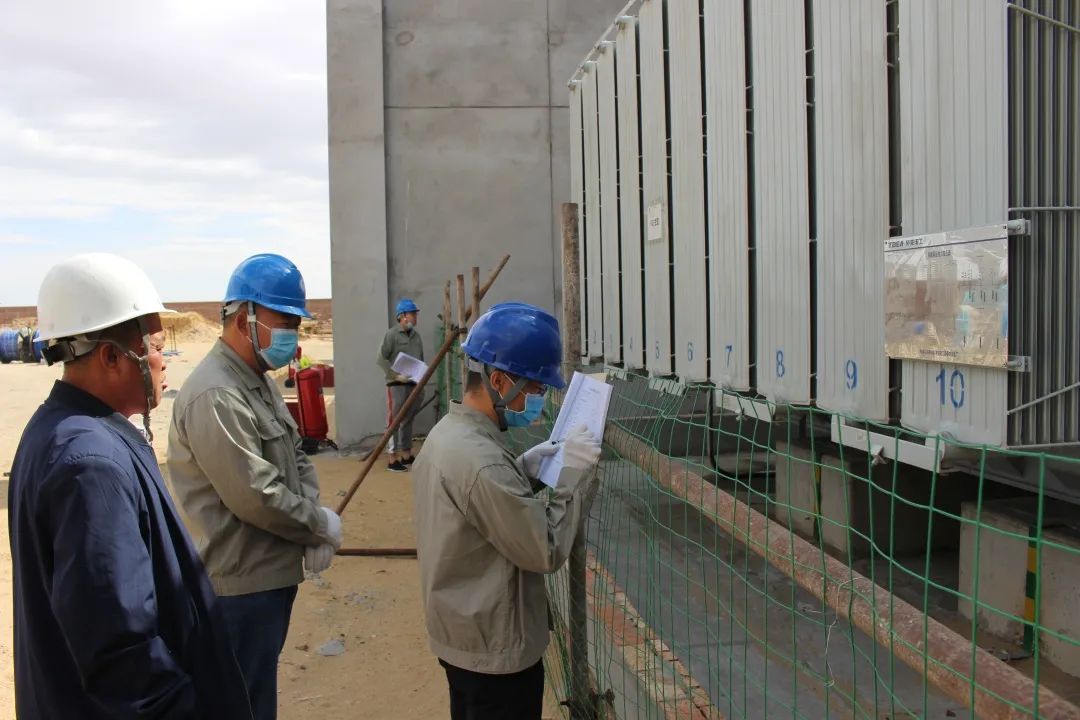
point(248, 494)
point(485, 542)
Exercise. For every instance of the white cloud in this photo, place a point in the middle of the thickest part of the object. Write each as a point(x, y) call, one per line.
point(185, 134)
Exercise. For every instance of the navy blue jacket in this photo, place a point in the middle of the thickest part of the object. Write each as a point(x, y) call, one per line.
point(114, 615)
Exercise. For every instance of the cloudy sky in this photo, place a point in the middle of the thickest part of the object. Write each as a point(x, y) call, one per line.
point(183, 134)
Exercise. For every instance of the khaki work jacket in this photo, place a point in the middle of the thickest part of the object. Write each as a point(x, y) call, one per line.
point(485, 541)
point(248, 494)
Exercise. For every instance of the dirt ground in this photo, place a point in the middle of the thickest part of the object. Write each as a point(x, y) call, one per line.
point(372, 605)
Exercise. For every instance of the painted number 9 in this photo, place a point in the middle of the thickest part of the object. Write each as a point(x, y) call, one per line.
point(957, 387)
point(851, 369)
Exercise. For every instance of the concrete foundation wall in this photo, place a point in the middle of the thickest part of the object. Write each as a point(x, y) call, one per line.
point(867, 508)
point(856, 508)
point(461, 156)
point(796, 489)
point(1002, 569)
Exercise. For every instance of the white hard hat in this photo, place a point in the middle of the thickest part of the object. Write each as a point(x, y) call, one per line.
point(91, 292)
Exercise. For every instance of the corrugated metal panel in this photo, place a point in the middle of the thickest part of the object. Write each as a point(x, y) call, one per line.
point(852, 192)
point(609, 203)
point(781, 200)
point(1044, 173)
point(953, 174)
point(654, 146)
point(729, 266)
point(630, 210)
point(593, 219)
point(577, 195)
point(688, 191)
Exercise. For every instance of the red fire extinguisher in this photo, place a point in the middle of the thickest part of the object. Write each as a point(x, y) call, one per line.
point(312, 409)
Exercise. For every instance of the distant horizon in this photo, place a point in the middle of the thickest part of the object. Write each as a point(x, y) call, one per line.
point(166, 302)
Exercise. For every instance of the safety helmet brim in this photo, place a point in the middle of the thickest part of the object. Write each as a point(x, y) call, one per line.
point(92, 292)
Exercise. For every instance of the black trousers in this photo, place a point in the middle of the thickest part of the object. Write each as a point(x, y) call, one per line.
point(483, 696)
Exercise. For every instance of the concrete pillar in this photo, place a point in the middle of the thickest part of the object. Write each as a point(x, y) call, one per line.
point(796, 489)
point(1002, 568)
point(358, 244)
point(861, 504)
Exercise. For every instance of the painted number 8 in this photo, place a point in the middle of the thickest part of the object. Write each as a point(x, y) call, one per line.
point(657, 349)
point(780, 369)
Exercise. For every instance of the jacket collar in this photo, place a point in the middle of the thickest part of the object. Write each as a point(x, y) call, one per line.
point(233, 361)
point(479, 420)
point(84, 403)
point(78, 399)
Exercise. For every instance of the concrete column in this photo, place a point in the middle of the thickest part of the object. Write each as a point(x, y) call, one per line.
point(358, 243)
point(796, 489)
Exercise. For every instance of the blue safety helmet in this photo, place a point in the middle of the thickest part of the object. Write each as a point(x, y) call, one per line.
point(271, 281)
point(405, 305)
point(520, 339)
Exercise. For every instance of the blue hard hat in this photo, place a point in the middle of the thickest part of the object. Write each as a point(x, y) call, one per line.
point(405, 305)
point(520, 339)
point(271, 281)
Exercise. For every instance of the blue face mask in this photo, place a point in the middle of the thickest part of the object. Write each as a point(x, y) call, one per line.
point(282, 348)
point(534, 406)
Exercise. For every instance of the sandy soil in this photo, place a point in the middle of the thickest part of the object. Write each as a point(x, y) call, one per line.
point(386, 670)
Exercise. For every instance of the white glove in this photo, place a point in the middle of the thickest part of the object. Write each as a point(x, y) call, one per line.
point(317, 559)
point(333, 527)
point(532, 458)
point(581, 449)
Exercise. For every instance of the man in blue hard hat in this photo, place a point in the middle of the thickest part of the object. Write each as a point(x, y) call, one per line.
point(402, 338)
point(485, 539)
point(114, 616)
point(249, 493)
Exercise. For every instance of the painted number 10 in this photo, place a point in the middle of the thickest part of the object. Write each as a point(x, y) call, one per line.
point(957, 387)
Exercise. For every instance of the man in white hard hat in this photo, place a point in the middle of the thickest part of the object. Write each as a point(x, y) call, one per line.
point(250, 494)
point(113, 613)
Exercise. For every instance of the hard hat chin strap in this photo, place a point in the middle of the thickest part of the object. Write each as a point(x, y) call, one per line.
point(500, 402)
point(69, 349)
point(253, 331)
point(143, 361)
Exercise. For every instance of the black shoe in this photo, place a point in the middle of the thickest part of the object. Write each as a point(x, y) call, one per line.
point(397, 466)
point(409, 461)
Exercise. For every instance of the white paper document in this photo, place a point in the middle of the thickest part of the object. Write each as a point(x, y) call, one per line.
point(586, 403)
point(409, 366)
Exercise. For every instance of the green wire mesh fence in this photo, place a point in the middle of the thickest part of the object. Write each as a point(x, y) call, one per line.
point(744, 565)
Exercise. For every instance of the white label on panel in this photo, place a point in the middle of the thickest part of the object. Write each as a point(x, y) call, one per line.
point(656, 222)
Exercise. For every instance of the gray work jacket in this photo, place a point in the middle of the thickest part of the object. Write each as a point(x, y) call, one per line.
point(485, 542)
point(398, 340)
point(248, 493)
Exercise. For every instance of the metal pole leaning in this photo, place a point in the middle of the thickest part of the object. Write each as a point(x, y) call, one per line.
point(448, 343)
point(582, 703)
